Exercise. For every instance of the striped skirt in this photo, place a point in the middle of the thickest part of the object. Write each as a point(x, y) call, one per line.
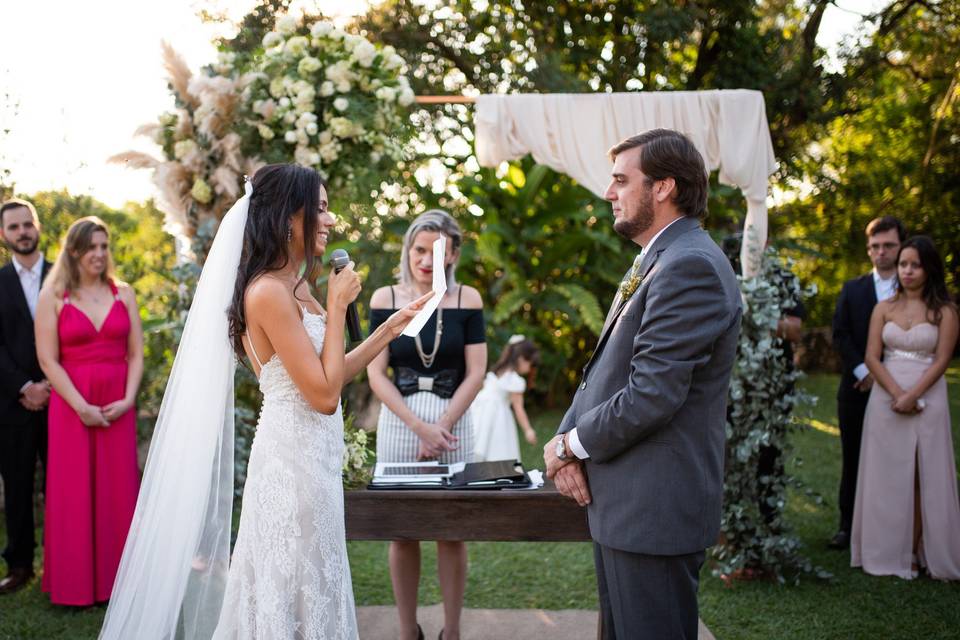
point(396, 442)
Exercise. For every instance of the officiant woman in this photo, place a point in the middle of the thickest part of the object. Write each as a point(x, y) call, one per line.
point(424, 413)
point(90, 347)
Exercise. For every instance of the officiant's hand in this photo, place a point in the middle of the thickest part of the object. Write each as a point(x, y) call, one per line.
point(342, 288)
point(571, 481)
point(550, 459)
point(399, 320)
point(434, 440)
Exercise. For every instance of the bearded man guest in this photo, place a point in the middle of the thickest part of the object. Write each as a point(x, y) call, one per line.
point(24, 392)
point(642, 443)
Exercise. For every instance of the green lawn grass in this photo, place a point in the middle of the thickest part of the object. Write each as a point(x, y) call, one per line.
point(554, 576)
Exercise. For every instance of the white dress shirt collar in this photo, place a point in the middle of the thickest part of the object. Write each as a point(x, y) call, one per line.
point(884, 287)
point(36, 269)
point(643, 251)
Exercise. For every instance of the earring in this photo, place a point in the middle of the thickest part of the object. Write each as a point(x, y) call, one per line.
point(289, 233)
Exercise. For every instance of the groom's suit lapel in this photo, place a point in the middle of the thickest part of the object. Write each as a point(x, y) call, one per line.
point(675, 230)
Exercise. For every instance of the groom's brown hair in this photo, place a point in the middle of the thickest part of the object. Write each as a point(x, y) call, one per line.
point(665, 153)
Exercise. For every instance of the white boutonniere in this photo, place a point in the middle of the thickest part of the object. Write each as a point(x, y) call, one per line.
point(630, 284)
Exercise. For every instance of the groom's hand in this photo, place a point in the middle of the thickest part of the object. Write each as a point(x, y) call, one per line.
point(550, 459)
point(571, 481)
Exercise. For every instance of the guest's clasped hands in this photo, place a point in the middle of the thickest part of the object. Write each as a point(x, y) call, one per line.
point(567, 475)
point(36, 396)
point(94, 416)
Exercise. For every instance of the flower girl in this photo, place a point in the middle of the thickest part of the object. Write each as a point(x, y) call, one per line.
point(495, 427)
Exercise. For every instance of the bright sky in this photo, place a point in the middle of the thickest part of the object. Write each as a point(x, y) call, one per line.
point(82, 76)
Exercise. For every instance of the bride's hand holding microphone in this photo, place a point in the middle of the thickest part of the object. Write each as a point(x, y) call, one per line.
point(343, 287)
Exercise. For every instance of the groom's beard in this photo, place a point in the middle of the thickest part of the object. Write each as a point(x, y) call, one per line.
point(630, 228)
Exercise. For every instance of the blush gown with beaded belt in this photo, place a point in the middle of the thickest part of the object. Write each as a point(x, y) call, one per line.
point(289, 576)
point(897, 449)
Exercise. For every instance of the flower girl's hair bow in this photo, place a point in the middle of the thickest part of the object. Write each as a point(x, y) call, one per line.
point(516, 338)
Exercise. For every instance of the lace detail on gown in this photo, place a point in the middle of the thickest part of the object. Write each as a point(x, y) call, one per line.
point(289, 576)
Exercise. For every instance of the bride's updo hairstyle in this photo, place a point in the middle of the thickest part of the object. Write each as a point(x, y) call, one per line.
point(279, 192)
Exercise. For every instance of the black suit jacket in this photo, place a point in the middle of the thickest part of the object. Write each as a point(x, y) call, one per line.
point(851, 326)
point(18, 348)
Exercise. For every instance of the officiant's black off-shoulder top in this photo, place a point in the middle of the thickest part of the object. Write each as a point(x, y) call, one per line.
point(460, 328)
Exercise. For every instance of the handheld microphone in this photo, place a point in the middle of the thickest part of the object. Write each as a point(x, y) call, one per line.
point(340, 259)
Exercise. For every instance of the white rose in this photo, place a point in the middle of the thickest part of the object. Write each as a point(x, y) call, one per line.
point(330, 153)
point(341, 127)
point(276, 87)
point(290, 136)
point(406, 97)
point(326, 89)
point(364, 53)
point(284, 102)
point(386, 94)
point(306, 117)
point(311, 128)
point(308, 64)
point(271, 40)
point(302, 155)
point(337, 34)
point(375, 157)
point(183, 149)
point(297, 46)
point(343, 87)
point(289, 117)
point(320, 29)
point(393, 61)
point(265, 132)
point(286, 25)
point(325, 137)
point(341, 104)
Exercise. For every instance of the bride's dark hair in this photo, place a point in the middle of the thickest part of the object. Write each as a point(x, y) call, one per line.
point(279, 192)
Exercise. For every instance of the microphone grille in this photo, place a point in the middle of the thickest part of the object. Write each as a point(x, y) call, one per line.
point(339, 258)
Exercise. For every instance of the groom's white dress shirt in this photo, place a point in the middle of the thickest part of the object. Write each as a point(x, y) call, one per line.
point(574, 441)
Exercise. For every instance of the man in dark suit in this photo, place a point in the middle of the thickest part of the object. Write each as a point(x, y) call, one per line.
point(24, 392)
point(642, 443)
point(851, 325)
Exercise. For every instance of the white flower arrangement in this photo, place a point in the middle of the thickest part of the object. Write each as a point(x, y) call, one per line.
point(315, 95)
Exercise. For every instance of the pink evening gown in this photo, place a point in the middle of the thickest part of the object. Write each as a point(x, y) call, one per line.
point(92, 474)
point(894, 449)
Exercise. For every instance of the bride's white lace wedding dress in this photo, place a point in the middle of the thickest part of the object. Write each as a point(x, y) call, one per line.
point(289, 576)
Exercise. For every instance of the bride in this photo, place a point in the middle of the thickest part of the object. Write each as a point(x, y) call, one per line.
point(289, 576)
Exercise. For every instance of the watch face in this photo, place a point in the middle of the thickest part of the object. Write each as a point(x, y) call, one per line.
point(560, 448)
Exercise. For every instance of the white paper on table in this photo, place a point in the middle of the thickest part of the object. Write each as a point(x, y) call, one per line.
point(439, 288)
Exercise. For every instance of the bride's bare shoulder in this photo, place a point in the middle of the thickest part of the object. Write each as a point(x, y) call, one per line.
point(267, 296)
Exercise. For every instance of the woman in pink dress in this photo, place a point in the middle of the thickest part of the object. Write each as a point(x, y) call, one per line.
point(90, 347)
point(906, 516)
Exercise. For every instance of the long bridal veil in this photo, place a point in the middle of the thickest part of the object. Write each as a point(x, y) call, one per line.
point(173, 571)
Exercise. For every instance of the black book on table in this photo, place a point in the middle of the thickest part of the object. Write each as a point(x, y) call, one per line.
point(495, 474)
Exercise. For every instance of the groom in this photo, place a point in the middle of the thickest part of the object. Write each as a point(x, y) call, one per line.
point(642, 443)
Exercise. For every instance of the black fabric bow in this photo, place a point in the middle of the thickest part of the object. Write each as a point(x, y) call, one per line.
point(443, 382)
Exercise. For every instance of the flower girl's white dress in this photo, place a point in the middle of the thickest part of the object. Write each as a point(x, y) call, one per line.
point(495, 427)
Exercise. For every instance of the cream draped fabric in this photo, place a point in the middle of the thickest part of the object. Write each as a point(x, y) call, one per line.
point(571, 133)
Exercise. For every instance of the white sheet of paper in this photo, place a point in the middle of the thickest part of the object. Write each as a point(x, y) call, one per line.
point(439, 288)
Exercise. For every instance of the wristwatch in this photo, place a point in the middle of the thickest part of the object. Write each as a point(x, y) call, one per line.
point(561, 450)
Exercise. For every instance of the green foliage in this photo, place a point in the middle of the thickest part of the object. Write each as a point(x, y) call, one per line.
point(763, 396)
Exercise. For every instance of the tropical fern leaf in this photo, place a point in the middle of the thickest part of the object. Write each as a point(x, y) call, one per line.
point(508, 304)
point(585, 302)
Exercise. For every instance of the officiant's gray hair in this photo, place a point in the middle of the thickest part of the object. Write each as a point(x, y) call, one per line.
point(435, 220)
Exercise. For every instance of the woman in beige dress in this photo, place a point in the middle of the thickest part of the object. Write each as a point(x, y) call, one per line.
point(907, 515)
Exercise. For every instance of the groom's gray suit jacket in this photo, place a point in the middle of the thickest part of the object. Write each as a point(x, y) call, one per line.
point(651, 408)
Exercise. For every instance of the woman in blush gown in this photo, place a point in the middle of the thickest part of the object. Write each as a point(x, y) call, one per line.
point(906, 515)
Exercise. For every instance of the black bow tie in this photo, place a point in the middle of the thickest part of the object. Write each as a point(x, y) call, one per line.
point(443, 383)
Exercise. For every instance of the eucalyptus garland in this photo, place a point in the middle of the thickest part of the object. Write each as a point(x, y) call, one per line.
point(763, 397)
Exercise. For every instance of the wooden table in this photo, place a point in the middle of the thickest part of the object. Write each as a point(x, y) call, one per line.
point(539, 515)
